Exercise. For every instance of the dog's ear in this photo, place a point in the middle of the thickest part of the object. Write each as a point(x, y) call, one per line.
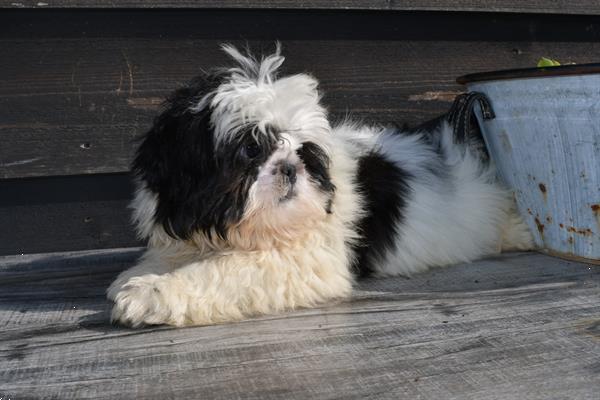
point(174, 161)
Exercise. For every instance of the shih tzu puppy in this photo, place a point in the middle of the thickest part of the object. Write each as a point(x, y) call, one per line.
point(252, 203)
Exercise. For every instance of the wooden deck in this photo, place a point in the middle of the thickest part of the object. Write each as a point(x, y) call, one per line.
point(520, 326)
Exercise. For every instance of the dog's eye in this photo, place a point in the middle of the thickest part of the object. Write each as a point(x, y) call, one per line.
point(252, 150)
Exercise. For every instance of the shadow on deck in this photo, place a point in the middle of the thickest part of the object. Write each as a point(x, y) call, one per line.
point(512, 327)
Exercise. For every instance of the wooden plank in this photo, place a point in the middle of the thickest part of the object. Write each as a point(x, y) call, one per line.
point(536, 6)
point(65, 213)
point(512, 327)
point(77, 86)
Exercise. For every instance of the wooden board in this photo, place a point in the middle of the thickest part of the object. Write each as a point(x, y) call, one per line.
point(536, 6)
point(65, 213)
point(513, 327)
point(76, 87)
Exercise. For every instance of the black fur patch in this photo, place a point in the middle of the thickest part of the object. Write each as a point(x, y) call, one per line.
point(198, 187)
point(385, 188)
point(316, 163)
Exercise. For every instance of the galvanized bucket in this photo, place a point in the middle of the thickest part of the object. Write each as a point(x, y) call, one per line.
point(545, 142)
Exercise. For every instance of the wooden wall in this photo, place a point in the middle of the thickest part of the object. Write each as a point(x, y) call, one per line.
point(80, 81)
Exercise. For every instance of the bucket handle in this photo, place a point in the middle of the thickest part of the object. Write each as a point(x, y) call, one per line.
point(462, 112)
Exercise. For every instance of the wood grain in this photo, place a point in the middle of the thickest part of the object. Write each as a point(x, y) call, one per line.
point(513, 327)
point(74, 92)
point(536, 6)
point(65, 213)
point(78, 85)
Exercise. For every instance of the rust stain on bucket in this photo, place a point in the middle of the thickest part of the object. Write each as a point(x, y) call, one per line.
point(544, 191)
point(580, 231)
point(540, 226)
point(596, 210)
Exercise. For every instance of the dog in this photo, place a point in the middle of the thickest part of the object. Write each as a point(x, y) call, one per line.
point(253, 203)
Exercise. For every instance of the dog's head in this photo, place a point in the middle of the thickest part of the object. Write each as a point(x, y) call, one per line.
point(237, 152)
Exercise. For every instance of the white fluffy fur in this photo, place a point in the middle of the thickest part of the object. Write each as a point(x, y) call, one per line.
point(287, 255)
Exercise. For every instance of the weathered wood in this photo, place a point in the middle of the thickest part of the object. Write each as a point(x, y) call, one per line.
point(77, 87)
point(536, 6)
point(65, 213)
point(514, 327)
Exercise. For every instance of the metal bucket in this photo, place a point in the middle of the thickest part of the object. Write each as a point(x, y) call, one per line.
point(545, 142)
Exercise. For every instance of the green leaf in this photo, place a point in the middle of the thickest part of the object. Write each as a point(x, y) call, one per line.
point(547, 62)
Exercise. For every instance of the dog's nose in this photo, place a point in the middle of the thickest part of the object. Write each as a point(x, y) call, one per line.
point(288, 170)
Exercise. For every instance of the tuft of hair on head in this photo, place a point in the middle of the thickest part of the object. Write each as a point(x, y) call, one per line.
point(259, 72)
point(243, 90)
point(246, 76)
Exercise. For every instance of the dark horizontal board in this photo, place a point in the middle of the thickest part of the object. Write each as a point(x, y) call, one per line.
point(513, 327)
point(76, 87)
point(535, 6)
point(65, 213)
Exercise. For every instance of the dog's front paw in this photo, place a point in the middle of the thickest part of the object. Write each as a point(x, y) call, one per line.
point(143, 300)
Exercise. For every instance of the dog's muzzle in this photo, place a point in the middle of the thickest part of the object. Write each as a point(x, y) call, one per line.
point(288, 174)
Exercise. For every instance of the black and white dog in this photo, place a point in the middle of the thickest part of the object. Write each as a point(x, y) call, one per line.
point(252, 203)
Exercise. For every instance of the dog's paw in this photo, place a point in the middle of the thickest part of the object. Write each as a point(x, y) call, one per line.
point(116, 287)
point(142, 300)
